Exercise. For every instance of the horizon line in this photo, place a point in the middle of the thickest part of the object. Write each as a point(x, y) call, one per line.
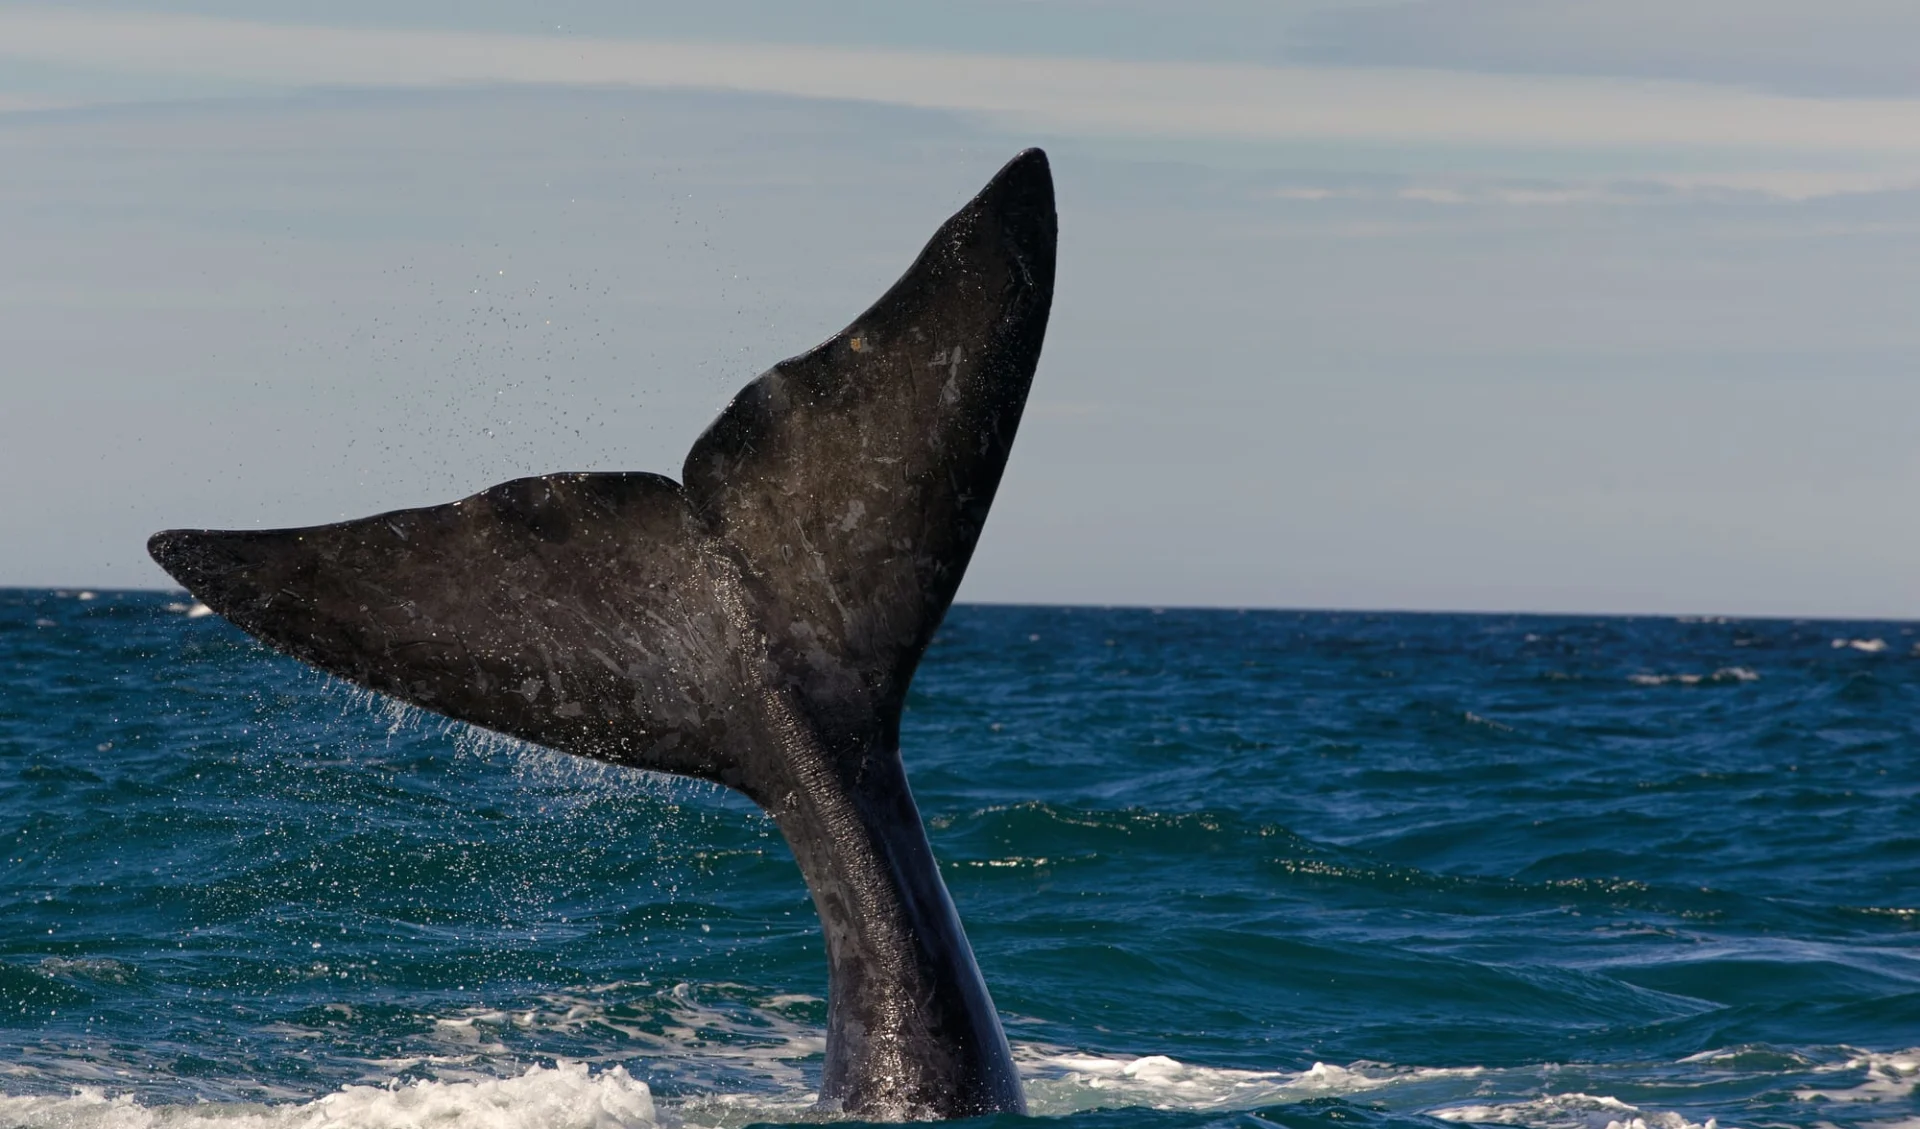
point(1239, 609)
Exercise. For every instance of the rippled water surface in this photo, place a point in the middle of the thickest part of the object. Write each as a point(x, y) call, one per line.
point(1220, 868)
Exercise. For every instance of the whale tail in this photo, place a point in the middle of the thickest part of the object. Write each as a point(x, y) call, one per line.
point(755, 624)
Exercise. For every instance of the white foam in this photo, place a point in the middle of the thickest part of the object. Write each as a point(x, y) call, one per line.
point(1889, 1077)
point(705, 1043)
point(198, 609)
point(1726, 674)
point(1570, 1111)
point(1061, 1082)
point(567, 1096)
point(732, 1071)
point(1068, 1082)
point(1870, 646)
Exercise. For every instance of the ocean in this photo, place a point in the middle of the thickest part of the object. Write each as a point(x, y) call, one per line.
point(1221, 868)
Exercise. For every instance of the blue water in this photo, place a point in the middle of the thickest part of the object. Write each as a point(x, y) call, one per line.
point(1220, 868)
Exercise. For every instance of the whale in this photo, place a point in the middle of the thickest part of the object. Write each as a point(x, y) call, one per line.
point(755, 624)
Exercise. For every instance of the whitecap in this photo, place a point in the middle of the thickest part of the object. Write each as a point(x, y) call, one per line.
point(566, 1096)
point(706, 1036)
point(1061, 1082)
point(1725, 675)
point(1570, 1111)
point(198, 609)
point(1888, 1077)
point(1870, 646)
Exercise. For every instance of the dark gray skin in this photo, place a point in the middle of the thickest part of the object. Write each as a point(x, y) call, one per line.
point(756, 626)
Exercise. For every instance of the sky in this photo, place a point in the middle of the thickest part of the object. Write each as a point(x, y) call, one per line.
point(1437, 304)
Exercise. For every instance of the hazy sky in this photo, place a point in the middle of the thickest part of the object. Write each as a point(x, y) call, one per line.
point(1475, 304)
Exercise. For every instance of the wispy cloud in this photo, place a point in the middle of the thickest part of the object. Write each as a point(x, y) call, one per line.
point(1102, 97)
point(1531, 364)
point(1834, 47)
point(1668, 187)
point(11, 103)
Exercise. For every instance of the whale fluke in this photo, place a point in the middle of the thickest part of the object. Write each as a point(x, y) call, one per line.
point(756, 624)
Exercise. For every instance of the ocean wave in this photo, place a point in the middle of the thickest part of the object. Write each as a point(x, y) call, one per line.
point(1570, 1111)
point(564, 1096)
point(1204, 856)
point(1883, 1077)
point(702, 1033)
point(1060, 1082)
point(1724, 676)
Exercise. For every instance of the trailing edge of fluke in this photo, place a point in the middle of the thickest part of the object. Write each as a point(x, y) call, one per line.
point(756, 623)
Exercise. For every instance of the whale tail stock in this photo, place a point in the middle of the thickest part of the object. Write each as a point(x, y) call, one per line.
point(756, 624)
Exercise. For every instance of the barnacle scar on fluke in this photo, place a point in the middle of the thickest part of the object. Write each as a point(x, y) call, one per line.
point(755, 624)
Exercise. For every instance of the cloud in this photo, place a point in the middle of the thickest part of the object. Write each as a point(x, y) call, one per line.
point(22, 103)
point(1384, 105)
point(1836, 47)
point(1790, 185)
point(275, 311)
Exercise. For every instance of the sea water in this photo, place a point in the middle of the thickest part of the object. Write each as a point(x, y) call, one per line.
point(1220, 868)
